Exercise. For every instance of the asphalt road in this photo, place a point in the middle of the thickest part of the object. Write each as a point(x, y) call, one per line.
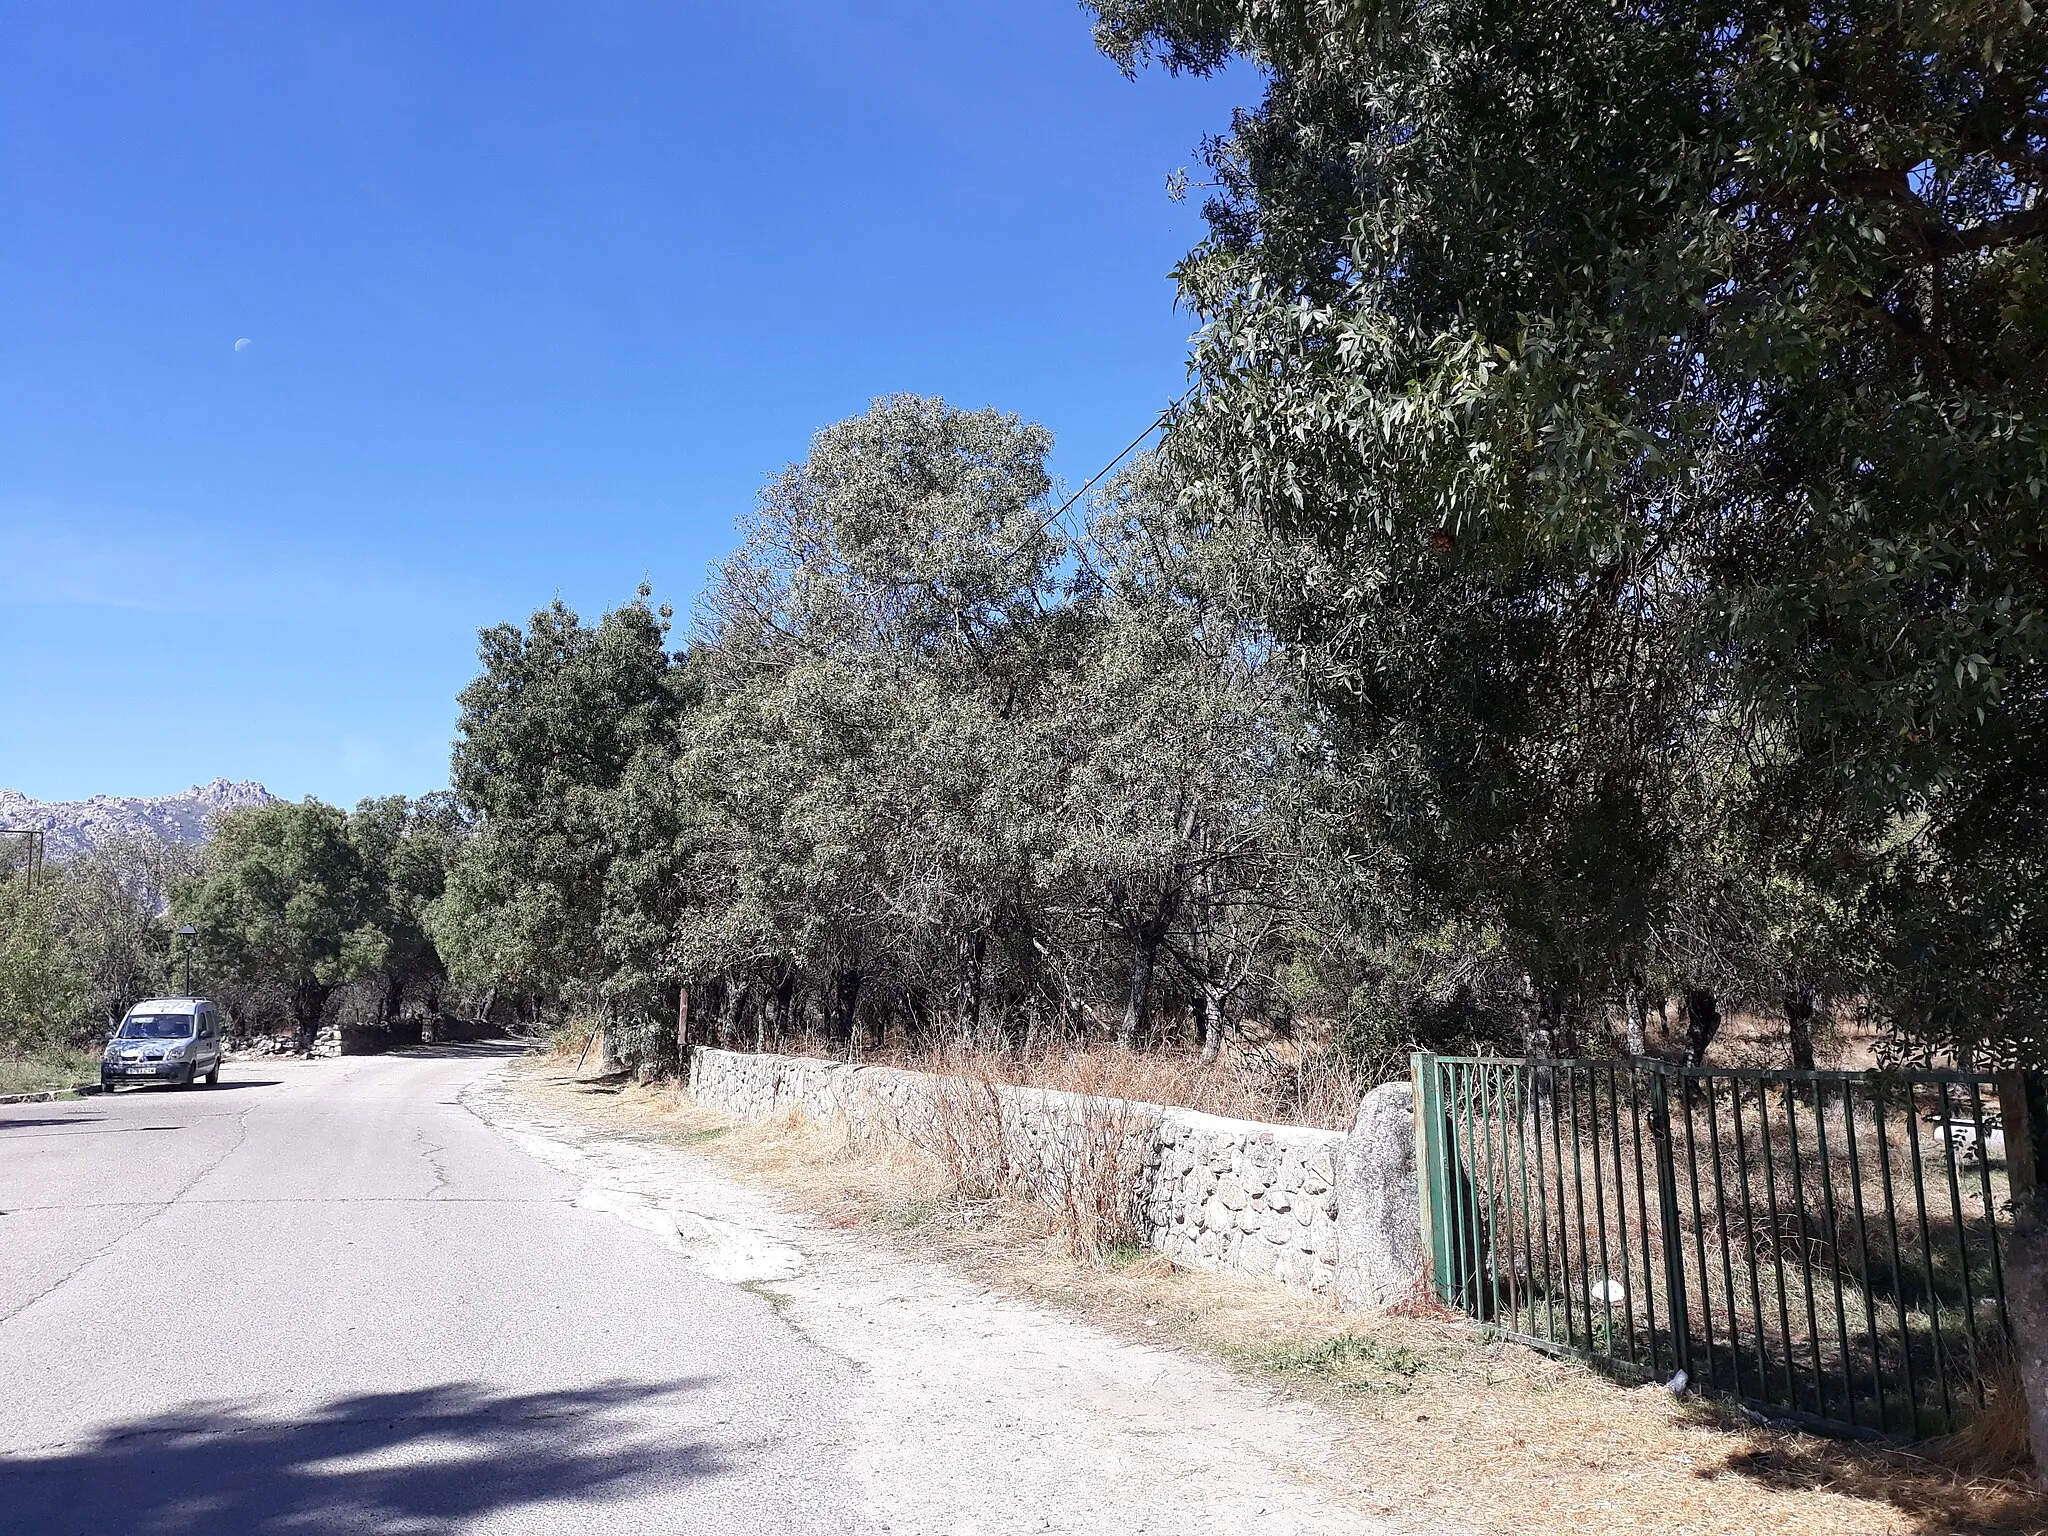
point(324, 1297)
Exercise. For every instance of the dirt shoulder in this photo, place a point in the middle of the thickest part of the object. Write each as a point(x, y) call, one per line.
point(1390, 1422)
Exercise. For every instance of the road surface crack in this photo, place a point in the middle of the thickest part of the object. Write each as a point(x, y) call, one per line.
point(432, 1154)
point(203, 1172)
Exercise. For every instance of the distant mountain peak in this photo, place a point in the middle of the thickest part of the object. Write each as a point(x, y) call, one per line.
point(72, 827)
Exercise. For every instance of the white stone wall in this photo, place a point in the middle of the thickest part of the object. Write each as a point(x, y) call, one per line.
point(1243, 1198)
point(1236, 1197)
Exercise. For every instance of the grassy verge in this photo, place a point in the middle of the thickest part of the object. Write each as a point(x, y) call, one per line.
point(1440, 1425)
point(47, 1069)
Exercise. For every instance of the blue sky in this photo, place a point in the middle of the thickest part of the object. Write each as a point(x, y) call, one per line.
point(536, 296)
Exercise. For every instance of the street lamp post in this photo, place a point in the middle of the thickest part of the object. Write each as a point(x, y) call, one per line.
point(188, 933)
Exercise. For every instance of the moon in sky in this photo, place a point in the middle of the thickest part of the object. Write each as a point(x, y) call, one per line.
point(243, 344)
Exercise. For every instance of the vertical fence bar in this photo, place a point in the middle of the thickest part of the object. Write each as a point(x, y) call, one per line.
point(1503, 1247)
point(1520, 1078)
point(1454, 1199)
point(1756, 1298)
point(1635, 1354)
point(1667, 1213)
point(1489, 1102)
point(1699, 1226)
point(1461, 1184)
point(1466, 1196)
point(1600, 1208)
point(1948, 1407)
point(1990, 1210)
point(1482, 1206)
point(1863, 1253)
point(1466, 1173)
point(1827, 1199)
point(1721, 1221)
point(1517, 1230)
point(1579, 1206)
point(1891, 1221)
point(1536, 1106)
point(1955, 1203)
point(1429, 1125)
point(1763, 1115)
point(1564, 1248)
point(1635, 1119)
point(1820, 1400)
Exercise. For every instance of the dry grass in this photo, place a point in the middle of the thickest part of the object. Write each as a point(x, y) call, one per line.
point(1086, 1180)
point(1286, 1082)
point(1441, 1426)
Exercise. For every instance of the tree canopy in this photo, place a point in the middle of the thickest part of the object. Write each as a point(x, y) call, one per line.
point(1651, 401)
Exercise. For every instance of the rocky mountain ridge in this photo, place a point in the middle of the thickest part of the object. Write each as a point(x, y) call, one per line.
point(72, 827)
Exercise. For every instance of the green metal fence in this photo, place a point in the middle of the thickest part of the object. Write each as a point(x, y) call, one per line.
point(1825, 1246)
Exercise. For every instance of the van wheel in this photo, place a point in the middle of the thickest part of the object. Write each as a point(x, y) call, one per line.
point(213, 1076)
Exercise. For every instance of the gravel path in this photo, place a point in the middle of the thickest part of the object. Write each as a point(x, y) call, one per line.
point(976, 1412)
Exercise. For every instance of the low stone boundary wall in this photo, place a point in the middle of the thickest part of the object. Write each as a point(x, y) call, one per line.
point(1317, 1211)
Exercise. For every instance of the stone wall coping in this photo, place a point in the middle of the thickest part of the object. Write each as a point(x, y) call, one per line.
point(1177, 1115)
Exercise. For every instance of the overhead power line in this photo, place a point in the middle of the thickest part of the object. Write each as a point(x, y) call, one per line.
point(1161, 420)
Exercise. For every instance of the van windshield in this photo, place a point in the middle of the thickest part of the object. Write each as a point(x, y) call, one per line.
point(157, 1026)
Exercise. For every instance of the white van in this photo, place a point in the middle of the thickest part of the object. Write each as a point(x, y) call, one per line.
point(166, 1039)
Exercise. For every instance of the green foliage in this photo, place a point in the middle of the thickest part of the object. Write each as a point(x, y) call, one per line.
point(873, 769)
point(563, 890)
point(109, 909)
point(38, 985)
point(1349, 1362)
point(406, 848)
point(285, 895)
point(1648, 405)
point(927, 766)
point(40, 1068)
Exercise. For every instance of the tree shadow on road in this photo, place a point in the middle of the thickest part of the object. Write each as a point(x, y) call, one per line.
point(424, 1460)
point(457, 1050)
point(203, 1090)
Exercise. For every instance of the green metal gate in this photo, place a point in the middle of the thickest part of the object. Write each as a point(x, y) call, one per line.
point(1826, 1247)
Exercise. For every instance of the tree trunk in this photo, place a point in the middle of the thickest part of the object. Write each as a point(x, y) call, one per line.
point(1638, 1008)
point(970, 989)
point(1799, 1028)
point(1539, 1034)
point(775, 1022)
point(1138, 1010)
point(729, 1015)
point(1702, 1023)
point(845, 1001)
point(309, 1001)
point(1212, 1022)
point(917, 1023)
